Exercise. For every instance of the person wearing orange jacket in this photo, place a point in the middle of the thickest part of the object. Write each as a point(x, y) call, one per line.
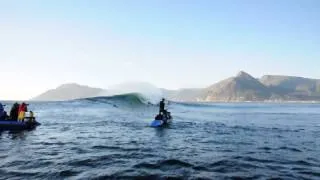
point(22, 110)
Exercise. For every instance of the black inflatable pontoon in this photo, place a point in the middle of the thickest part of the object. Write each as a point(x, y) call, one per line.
point(17, 125)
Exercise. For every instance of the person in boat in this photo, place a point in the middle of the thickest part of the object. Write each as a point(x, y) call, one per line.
point(14, 111)
point(3, 113)
point(1, 110)
point(21, 112)
point(31, 117)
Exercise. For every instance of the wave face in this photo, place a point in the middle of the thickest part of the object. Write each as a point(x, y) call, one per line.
point(93, 139)
point(150, 93)
point(130, 98)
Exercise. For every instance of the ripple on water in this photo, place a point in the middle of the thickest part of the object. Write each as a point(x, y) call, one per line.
point(165, 163)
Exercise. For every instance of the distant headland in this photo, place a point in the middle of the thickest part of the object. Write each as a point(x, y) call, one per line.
point(240, 88)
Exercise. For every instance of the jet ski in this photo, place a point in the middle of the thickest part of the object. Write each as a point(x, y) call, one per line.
point(160, 123)
point(161, 120)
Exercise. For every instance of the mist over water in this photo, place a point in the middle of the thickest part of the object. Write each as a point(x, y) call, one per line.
point(109, 138)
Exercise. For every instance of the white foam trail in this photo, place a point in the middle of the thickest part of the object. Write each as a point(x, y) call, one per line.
point(147, 90)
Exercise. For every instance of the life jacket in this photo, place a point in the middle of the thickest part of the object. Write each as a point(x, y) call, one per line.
point(21, 115)
point(21, 111)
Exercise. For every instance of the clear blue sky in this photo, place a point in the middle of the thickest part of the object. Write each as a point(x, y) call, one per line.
point(169, 43)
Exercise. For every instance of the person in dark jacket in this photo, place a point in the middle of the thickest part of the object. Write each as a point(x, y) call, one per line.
point(161, 106)
point(14, 111)
point(169, 115)
point(159, 117)
point(3, 113)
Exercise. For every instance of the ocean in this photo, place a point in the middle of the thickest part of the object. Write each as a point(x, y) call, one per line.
point(110, 138)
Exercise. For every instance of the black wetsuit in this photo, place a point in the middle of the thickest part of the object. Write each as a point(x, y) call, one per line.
point(161, 106)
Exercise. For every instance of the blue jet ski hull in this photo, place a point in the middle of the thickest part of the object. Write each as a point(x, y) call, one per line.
point(160, 123)
point(17, 125)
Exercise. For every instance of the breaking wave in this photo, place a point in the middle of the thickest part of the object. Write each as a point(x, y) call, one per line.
point(130, 98)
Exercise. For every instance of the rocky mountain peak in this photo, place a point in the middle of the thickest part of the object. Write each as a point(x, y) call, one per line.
point(245, 75)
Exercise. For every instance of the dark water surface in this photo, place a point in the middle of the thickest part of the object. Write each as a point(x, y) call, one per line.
point(111, 140)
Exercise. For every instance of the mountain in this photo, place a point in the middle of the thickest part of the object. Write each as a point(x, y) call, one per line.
point(191, 94)
point(242, 87)
point(294, 88)
point(68, 92)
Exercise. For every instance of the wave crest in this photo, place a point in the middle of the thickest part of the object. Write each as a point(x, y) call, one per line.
point(131, 98)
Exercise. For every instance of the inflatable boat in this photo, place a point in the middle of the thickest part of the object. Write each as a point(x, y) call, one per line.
point(17, 125)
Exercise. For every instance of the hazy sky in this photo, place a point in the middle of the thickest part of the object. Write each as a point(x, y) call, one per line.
point(169, 43)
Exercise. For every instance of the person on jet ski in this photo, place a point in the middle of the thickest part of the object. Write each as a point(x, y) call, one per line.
point(161, 106)
point(159, 116)
point(169, 115)
point(165, 114)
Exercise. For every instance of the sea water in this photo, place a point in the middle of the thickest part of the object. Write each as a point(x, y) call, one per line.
point(110, 138)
